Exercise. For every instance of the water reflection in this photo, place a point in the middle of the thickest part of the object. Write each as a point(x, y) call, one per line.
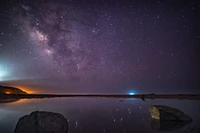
point(9, 100)
point(161, 125)
point(98, 115)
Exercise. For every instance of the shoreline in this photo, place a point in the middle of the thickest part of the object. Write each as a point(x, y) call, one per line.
point(140, 96)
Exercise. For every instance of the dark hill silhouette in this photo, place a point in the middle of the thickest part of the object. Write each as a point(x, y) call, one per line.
point(10, 90)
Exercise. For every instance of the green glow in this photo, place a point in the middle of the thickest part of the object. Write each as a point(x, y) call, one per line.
point(3, 73)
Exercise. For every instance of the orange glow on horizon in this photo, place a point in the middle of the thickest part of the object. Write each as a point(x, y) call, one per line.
point(26, 89)
point(22, 101)
point(7, 92)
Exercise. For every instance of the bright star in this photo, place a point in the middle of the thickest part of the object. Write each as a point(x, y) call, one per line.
point(49, 52)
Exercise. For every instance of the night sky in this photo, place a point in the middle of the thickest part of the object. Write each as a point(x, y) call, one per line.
point(105, 46)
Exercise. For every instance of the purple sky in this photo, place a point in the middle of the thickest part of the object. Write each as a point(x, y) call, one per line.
point(108, 46)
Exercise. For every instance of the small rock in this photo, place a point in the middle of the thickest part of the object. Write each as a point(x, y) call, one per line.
point(42, 122)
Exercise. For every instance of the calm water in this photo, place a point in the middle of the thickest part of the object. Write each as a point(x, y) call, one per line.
point(87, 115)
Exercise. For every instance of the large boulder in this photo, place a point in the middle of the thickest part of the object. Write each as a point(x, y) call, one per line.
point(161, 112)
point(42, 122)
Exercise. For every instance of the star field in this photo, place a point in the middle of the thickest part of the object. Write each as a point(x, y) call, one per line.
point(126, 43)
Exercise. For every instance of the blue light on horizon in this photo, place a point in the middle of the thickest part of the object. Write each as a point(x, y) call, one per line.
point(131, 93)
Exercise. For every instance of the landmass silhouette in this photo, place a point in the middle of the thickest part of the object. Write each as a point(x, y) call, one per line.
point(7, 92)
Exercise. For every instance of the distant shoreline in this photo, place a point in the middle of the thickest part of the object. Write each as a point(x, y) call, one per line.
point(140, 96)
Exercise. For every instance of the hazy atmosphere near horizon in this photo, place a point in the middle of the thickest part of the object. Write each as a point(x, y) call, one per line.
point(100, 46)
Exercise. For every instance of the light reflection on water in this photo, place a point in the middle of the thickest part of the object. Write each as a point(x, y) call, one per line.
point(97, 115)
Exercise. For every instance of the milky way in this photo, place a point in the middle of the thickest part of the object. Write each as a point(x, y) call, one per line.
point(131, 43)
point(57, 32)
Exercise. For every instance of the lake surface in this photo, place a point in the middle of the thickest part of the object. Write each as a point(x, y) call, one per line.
point(89, 115)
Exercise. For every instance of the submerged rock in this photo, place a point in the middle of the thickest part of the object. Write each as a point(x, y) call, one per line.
point(194, 129)
point(161, 125)
point(42, 122)
point(161, 112)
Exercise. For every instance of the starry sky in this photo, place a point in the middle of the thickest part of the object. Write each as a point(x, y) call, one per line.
point(111, 46)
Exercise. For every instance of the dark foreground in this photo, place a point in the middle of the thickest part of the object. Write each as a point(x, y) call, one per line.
point(98, 115)
point(141, 96)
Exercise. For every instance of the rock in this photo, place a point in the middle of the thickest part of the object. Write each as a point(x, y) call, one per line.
point(42, 122)
point(161, 112)
point(143, 99)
